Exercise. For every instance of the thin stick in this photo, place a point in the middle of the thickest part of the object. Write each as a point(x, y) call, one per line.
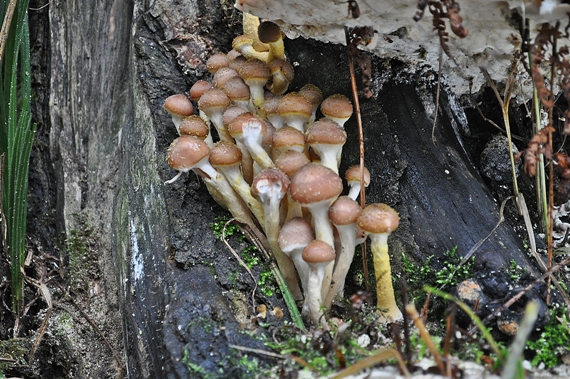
point(257, 351)
point(6, 26)
point(361, 148)
point(424, 334)
point(439, 70)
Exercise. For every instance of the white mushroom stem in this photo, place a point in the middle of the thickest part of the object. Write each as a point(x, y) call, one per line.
point(323, 232)
point(313, 300)
point(252, 139)
point(354, 190)
point(347, 234)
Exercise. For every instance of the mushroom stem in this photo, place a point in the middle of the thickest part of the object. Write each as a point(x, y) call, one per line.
point(386, 302)
point(347, 235)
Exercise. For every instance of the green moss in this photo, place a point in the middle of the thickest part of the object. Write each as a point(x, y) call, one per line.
point(554, 341)
point(82, 258)
point(13, 353)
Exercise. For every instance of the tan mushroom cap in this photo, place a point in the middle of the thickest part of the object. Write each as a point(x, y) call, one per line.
point(255, 71)
point(291, 161)
point(318, 251)
point(294, 104)
point(267, 179)
point(222, 76)
point(271, 104)
point(344, 211)
point(287, 137)
point(337, 106)
point(231, 113)
point(236, 89)
point(213, 100)
point(179, 105)
point(283, 66)
point(314, 183)
point(378, 218)
point(195, 126)
point(242, 120)
point(326, 132)
point(217, 61)
point(225, 154)
point(312, 93)
point(185, 152)
point(352, 174)
point(294, 234)
point(198, 89)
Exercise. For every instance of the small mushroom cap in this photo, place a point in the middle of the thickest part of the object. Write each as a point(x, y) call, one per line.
point(314, 183)
point(271, 104)
point(291, 161)
point(325, 132)
point(312, 93)
point(269, 32)
point(213, 100)
point(344, 211)
point(294, 104)
point(217, 61)
point(231, 113)
point(267, 182)
point(185, 152)
point(295, 234)
point(352, 174)
point(246, 120)
point(254, 71)
point(225, 154)
point(318, 252)
point(222, 76)
point(288, 136)
point(283, 66)
point(198, 89)
point(194, 125)
point(236, 89)
point(378, 218)
point(179, 105)
point(337, 106)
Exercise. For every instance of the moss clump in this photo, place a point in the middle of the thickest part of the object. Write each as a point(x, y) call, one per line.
point(554, 341)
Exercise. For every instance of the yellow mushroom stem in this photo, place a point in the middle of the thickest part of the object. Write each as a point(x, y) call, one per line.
point(386, 301)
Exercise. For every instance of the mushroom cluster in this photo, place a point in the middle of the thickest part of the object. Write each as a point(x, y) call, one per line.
point(275, 166)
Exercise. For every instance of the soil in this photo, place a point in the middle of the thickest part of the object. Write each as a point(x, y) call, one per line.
point(139, 286)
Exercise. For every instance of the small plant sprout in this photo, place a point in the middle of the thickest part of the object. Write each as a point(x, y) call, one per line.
point(318, 255)
point(178, 106)
point(378, 221)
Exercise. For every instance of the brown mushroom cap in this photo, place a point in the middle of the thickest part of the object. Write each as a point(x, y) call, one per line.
point(288, 137)
point(179, 105)
point(241, 121)
point(254, 71)
point(291, 161)
point(318, 252)
point(294, 234)
point(231, 113)
point(293, 104)
point(185, 152)
point(222, 76)
point(378, 218)
point(217, 61)
point(225, 154)
point(195, 126)
point(268, 180)
point(312, 93)
point(344, 211)
point(213, 100)
point(283, 66)
point(337, 106)
point(198, 89)
point(236, 89)
point(325, 132)
point(315, 183)
point(352, 174)
point(269, 32)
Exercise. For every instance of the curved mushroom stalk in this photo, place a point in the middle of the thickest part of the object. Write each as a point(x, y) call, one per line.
point(318, 255)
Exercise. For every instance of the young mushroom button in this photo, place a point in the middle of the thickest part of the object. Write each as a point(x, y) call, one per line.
point(318, 256)
point(352, 176)
point(378, 221)
point(178, 106)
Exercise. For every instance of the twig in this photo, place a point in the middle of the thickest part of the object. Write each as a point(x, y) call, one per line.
point(361, 147)
point(258, 351)
point(241, 262)
point(47, 297)
point(372, 360)
point(439, 70)
point(424, 334)
point(6, 26)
